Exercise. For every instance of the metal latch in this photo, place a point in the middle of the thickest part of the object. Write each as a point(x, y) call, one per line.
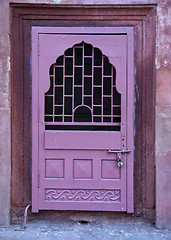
point(119, 153)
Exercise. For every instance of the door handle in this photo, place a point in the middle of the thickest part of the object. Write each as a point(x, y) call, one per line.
point(119, 151)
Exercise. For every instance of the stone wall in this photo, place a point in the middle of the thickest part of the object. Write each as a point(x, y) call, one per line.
point(163, 104)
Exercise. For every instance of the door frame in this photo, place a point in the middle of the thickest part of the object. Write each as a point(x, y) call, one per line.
point(143, 18)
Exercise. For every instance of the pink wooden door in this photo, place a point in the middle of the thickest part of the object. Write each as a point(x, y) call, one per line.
point(82, 118)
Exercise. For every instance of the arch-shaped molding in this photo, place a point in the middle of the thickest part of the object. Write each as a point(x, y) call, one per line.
point(83, 76)
point(82, 114)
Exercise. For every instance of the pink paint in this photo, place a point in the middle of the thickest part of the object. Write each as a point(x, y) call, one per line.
point(86, 114)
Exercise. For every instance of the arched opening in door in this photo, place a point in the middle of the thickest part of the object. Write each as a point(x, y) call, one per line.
point(83, 76)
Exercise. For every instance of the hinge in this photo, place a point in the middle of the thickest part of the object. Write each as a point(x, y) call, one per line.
point(38, 180)
point(38, 50)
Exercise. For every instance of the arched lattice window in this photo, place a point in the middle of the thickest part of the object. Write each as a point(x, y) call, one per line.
point(82, 93)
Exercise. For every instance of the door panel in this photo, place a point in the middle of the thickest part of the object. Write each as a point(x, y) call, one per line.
point(82, 140)
point(82, 180)
point(82, 104)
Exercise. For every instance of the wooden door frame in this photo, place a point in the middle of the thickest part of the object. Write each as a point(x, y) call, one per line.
point(143, 18)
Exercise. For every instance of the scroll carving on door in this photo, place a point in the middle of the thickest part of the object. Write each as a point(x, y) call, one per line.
point(80, 89)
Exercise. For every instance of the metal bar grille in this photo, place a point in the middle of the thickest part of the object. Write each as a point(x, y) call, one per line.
point(83, 90)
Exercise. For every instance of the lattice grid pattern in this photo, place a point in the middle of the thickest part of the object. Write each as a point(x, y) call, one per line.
point(83, 91)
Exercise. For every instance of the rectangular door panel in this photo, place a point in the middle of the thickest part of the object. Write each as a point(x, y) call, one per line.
point(82, 140)
point(84, 180)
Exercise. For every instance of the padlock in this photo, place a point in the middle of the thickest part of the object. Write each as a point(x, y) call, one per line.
point(120, 163)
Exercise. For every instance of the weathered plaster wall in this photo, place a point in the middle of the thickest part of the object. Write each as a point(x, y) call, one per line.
point(4, 114)
point(163, 116)
point(163, 104)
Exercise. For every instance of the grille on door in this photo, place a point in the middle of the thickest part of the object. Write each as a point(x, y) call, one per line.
point(82, 93)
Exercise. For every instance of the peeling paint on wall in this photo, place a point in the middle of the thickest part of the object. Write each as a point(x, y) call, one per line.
point(8, 63)
point(164, 33)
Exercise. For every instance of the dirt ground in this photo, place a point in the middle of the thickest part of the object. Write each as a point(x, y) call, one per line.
point(88, 228)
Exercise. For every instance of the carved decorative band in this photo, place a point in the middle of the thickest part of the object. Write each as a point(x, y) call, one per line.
point(80, 195)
